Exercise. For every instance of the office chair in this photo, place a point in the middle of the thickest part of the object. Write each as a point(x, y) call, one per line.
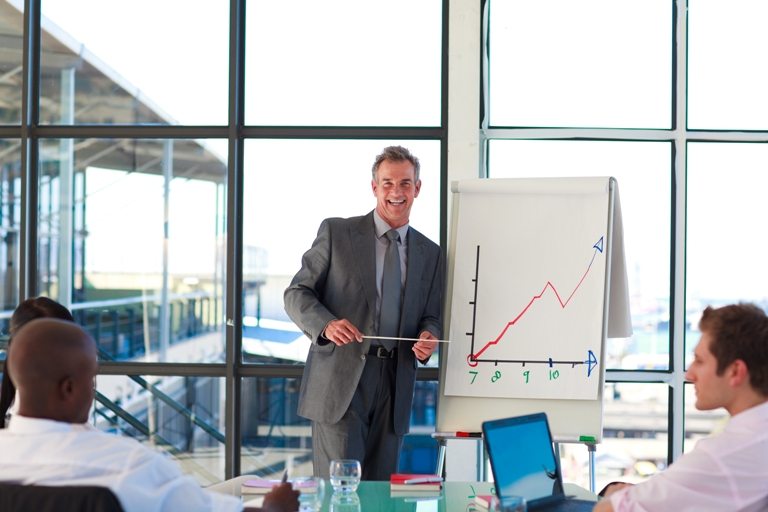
point(17, 497)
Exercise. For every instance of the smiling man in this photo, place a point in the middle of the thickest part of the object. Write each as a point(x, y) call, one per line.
point(372, 275)
point(727, 472)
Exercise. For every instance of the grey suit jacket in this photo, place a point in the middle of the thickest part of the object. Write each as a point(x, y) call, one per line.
point(338, 280)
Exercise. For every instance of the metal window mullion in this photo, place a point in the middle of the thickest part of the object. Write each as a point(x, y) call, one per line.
point(485, 88)
point(234, 277)
point(30, 116)
point(444, 114)
point(615, 134)
point(677, 399)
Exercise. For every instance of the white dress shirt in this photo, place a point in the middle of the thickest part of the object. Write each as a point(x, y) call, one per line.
point(726, 472)
point(45, 452)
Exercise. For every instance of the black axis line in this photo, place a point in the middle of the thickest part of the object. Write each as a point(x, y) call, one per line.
point(473, 303)
point(528, 361)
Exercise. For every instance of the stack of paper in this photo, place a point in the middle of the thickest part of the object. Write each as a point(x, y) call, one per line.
point(415, 484)
point(263, 486)
point(258, 486)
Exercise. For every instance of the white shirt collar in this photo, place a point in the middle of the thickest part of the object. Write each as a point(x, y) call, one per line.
point(381, 227)
point(757, 415)
point(25, 425)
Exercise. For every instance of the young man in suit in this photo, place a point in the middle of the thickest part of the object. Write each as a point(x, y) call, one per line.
point(358, 391)
point(728, 471)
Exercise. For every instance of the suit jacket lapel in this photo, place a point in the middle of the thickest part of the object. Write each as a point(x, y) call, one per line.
point(362, 237)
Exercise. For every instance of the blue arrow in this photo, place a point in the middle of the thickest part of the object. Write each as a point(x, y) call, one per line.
point(599, 245)
point(591, 361)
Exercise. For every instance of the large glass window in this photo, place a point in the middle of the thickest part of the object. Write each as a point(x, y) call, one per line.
point(10, 222)
point(275, 438)
point(596, 63)
point(635, 441)
point(11, 84)
point(181, 416)
point(129, 63)
point(726, 202)
point(131, 237)
point(128, 187)
point(700, 424)
point(343, 62)
point(725, 260)
point(726, 85)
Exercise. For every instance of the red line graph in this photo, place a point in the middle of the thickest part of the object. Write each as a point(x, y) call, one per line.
point(598, 248)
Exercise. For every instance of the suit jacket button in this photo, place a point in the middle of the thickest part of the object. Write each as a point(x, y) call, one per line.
point(362, 357)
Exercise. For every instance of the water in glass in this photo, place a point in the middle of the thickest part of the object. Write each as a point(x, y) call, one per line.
point(345, 475)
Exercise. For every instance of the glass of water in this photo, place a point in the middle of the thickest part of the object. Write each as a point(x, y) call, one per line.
point(345, 475)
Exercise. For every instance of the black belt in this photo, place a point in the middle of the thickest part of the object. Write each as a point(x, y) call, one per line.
point(381, 352)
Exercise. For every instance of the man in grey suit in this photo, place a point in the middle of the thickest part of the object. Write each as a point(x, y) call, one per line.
point(357, 390)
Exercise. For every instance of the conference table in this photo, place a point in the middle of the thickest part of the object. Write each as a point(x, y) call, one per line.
point(376, 497)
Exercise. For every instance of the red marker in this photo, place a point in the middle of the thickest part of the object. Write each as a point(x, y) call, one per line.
point(469, 434)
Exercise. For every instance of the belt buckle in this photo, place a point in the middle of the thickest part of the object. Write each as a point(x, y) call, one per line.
point(383, 353)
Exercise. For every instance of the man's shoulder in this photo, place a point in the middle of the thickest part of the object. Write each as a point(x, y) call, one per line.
point(347, 221)
point(105, 447)
point(361, 224)
point(118, 444)
point(417, 237)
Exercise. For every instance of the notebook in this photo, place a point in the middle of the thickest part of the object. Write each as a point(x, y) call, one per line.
point(524, 464)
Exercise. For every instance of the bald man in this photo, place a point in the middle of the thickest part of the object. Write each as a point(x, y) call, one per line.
point(54, 365)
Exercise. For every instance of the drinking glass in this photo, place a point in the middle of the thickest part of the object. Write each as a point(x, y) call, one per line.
point(513, 504)
point(345, 475)
point(312, 491)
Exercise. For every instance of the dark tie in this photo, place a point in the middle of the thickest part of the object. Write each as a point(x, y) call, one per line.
point(389, 316)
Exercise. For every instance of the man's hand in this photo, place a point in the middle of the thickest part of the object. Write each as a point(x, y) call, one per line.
point(605, 505)
point(613, 487)
point(342, 331)
point(424, 347)
point(282, 498)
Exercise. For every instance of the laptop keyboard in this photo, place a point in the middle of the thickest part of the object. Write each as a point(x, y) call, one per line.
point(566, 506)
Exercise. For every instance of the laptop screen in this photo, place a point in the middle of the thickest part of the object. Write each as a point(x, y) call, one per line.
point(522, 457)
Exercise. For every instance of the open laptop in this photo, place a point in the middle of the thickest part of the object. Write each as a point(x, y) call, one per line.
point(524, 464)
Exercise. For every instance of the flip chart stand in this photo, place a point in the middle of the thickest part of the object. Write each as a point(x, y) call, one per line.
point(591, 447)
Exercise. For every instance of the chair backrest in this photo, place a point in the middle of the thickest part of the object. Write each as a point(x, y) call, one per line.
point(17, 497)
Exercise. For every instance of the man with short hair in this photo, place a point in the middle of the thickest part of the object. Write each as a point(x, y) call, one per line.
point(729, 471)
point(372, 275)
point(54, 365)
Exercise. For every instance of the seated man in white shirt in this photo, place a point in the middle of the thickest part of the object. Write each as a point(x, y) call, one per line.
point(729, 471)
point(54, 365)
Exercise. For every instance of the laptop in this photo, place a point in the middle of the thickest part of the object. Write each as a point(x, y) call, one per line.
point(524, 464)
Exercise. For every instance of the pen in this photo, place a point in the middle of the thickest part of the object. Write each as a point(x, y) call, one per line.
point(469, 434)
point(285, 477)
